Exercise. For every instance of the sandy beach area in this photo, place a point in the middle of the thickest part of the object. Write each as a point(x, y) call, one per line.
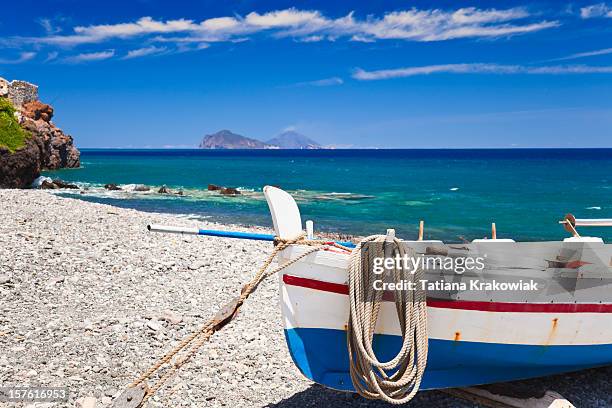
point(90, 300)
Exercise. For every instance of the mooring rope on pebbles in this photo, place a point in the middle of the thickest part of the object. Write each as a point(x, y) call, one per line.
point(396, 381)
point(139, 391)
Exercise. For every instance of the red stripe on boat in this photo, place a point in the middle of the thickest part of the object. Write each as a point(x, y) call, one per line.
point(343, 289)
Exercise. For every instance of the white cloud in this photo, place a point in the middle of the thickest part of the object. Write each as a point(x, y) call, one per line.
point(596, 10)
point(438, 25)
point(476, 68)
point(361, 38)
point(51, 56)
point(491, 31)
point(309, 25)
point(220, 24)
point(322, 82)
point(23, 57)
point(143, 52)
point(49, 26)
point(285, 18)
point(144, 25)
point(91, 56)
point(604, 51)
point(311, 38)
point(571, 69)
point(472, 15)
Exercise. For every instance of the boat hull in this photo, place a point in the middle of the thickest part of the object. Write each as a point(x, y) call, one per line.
point(471, 342)
point(321, 355)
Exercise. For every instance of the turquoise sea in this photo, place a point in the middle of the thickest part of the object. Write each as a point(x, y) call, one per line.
point(457, 192)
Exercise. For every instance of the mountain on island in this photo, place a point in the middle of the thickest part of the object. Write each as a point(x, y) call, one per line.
point(225, 139)
point(293, 140)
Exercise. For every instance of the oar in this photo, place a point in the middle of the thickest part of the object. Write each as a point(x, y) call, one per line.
point(221, 233)
point(570, 223)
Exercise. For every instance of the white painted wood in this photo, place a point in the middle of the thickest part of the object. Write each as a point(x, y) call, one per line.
point(285, 212)
point(309, 229)
point(174, 230)
point(315, 309)
point(309, 308)
point(584, 239)
point(494, 240)
point(592, 222)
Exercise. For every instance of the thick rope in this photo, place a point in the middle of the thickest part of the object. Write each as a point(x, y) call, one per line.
point(200, 336)
point(398, 380)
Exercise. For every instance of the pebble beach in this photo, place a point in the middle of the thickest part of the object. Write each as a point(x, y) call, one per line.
point(91, 299)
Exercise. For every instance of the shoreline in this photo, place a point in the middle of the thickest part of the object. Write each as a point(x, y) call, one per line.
point(91, 300)
point(87, 192)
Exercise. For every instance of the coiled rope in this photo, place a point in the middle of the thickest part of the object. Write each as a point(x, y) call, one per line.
point(398, 380)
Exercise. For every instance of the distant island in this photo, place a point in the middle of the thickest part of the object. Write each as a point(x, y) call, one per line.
point(226, 139)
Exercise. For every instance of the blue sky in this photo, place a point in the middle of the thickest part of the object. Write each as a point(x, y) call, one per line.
point(390, 74)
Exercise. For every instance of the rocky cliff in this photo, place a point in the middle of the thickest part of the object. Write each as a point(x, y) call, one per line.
point(42, 146)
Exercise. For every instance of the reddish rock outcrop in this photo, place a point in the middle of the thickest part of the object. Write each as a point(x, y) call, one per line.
point(38, 110)
point(47, 146)
point(58, 147)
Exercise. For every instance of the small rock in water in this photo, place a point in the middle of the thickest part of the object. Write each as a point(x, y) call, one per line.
point(39, 180)
point(55, 184)
point(229, 191)
point(62, 184)
point(141, 187)
point(112, 186)
point(164, 190)
point(48, 185)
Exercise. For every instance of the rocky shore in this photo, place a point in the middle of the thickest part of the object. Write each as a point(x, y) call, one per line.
point(44, 146)
point(90, 300)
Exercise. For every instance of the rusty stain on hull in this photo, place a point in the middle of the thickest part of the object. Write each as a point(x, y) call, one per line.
point(553, 331)
point(457, 336)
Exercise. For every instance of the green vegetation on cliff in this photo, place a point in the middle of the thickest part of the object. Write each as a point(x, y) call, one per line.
point(12, 136)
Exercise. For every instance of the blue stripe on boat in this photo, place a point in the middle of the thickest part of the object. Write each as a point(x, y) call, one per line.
point(321, 355)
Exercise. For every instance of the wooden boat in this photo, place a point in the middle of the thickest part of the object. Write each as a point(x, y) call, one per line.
point(475, 336)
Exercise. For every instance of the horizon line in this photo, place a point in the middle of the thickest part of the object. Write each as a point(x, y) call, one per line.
point(358, 148)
